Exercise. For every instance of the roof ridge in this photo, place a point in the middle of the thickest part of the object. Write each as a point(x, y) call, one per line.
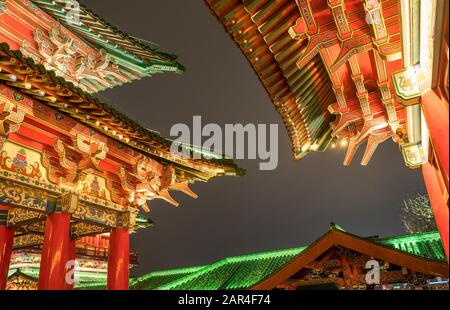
point(133, 39)
point(425, 233)
point(168, 272)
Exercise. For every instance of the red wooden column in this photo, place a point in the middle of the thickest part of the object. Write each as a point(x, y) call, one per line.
point(436, 115)
point(118, 259)
point(438, 203)
point(52, 274)
point(6, 243)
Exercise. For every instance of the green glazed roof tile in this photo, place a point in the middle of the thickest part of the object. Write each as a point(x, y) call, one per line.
point(243, 272)
point(153, 280)
point(426, 245)
point(234, 273)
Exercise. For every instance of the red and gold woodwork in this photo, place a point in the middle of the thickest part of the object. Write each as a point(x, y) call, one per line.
point(70, 165)
point(422, 87)
point(52, 40)
point(385, 62)
point(345, 269)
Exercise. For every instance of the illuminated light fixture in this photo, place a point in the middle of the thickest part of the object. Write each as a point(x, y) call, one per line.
point(333, 145)
point(305, 147)
point(344, 142)
point(314, 147)
point(411, 74)
point(97, 123)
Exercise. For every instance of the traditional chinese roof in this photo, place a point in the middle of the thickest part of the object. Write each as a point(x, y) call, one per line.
point(29, 273)
point(246, 271)
point(143, 222)
point(159, 278)
point(82, 34)
point(427, 245)
point(86, 277)
point(326, 65)
point(95, 29)
point(35, 80)
point(300, 95)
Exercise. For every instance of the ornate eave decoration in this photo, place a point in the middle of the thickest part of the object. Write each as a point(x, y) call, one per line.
point(60, 53)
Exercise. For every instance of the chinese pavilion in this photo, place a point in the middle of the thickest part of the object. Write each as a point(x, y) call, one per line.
point(71, 166)
point(337, 260)
point(91, 263)
point(351, 72)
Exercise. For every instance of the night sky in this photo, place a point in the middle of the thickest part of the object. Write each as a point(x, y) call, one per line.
point(289, 207)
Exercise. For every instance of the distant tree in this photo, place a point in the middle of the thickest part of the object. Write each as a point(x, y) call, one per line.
point(417, 215)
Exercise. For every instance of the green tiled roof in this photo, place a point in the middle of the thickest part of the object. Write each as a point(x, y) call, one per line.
point(32, 273)
point(426, 245)
point(91, 286)
point(86, 277)
point(155, 279)
point(144, 222)
point(243, 272)
point(234, 273)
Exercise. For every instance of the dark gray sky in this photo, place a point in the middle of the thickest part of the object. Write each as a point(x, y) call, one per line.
point(288, 207)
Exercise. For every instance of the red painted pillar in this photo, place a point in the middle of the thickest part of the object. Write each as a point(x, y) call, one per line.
point(438, 203)
point(436, 115)
point(118, 259)
point(52, 274)
point(6, 243)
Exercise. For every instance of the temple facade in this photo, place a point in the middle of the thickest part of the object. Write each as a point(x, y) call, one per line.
point(337, 260)
point(90, 264)
point(348, 73)
point(71, 166)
